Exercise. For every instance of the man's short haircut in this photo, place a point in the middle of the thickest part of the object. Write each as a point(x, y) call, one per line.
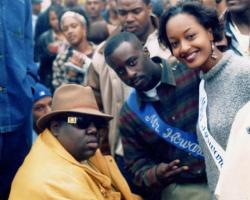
point(147, 2)
point(119, 38)
point(98, 32)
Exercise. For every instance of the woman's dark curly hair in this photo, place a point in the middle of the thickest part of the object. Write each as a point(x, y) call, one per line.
point(207, 17)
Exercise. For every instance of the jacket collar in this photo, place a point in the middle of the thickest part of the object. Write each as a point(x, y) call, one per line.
point(167, 78)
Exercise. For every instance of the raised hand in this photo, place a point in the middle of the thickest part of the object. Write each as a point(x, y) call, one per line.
point(166, 172)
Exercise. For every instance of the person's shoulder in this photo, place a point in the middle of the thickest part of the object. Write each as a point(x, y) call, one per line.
point(238, 71)
point(43, 18)
point(125, 109)
point(244, 61)
point(127, 112)
point(56, 184)
point(98, 60)
point(34, 173)
point(98, 56)
point(45, 35)
point(100, 48)
point(240, 62)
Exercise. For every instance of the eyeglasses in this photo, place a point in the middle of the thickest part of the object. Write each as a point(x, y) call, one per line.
point(85, 122)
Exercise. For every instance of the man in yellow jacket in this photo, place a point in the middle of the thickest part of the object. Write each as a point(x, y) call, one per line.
point(65, 162)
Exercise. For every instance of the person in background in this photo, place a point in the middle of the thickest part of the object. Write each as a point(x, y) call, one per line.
point(17, 78)
point(70, 4)
point(49, 45)
point(43, 24)
point(237, 26)
point(94, 10)
point(157, 7)
point(98, 32)
point(42, 99)
point(219, 5)
point(110, 14)
point(236, 160)
point(164, 101)
point(65, 162)
point(191, 30)
point(36, 9)
point(72, 65)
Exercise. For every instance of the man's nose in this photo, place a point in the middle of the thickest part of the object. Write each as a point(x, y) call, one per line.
point(92, 130)
point(130, 17)
point(47, 109)
point(130, 73)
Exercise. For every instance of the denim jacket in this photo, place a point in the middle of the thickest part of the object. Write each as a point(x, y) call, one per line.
point(18, 71)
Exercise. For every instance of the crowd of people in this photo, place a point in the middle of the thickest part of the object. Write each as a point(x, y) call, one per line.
point(125, 100)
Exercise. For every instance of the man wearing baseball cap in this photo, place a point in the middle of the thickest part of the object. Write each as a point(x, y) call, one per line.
point(42, 99)
point(65, 162)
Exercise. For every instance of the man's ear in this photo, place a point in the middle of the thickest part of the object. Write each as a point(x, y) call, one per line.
point(55, 127)
point(146, 52)
point(149, 8)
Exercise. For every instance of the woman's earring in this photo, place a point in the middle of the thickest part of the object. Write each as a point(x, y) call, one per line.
point(213, 55)
point(146, 52)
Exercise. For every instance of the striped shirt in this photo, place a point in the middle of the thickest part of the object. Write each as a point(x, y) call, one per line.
point(177, 105)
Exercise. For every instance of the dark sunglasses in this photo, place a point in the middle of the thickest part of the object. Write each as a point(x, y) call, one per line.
point(85, 122)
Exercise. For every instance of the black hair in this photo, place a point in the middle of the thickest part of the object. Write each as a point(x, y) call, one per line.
point(147, 2)
point(119, 38)
point(57, 9)
point(98, 32)
point(207, 17)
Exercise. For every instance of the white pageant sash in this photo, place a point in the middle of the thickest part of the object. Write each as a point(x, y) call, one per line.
point(215, 149)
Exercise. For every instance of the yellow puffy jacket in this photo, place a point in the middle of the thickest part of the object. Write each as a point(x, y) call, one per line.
point(50, 172)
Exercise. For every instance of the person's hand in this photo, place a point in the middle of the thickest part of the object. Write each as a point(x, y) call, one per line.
point(78, 58)
point(53, 47)
point(167, 172)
